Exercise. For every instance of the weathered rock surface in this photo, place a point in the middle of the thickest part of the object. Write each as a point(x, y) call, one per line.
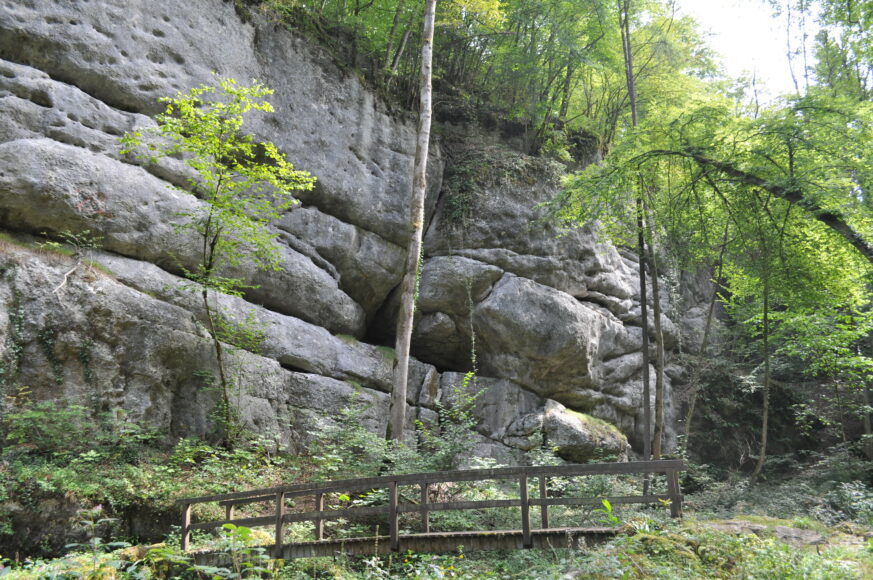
point(556, 312)
point(130, 340)
point(128, 54)
point(553, 321)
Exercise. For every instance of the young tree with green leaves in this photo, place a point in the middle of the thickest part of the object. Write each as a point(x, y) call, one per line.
point(244, 185)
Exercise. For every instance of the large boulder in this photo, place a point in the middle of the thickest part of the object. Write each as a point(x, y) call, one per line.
point(46, 186)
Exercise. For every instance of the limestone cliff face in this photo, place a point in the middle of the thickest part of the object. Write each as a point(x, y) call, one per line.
point(554, 321)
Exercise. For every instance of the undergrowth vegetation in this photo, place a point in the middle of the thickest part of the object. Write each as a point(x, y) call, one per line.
point(108, 468)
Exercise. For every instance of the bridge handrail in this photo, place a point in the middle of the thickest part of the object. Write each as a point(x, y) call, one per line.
point(279, 494)
point(572, 469)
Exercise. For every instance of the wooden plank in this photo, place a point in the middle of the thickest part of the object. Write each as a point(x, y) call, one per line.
point(248, 522)
point(186, 526)
point(451, 476)
point(457, 505)
point(245, 500)
point(525, 511)
point(448, 542)
point(544, 507)
point(350, 513)
point(629, 499)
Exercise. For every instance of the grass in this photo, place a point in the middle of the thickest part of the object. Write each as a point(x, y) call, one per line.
point(687, 550)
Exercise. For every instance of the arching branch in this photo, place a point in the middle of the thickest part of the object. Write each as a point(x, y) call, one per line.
point(833, 219)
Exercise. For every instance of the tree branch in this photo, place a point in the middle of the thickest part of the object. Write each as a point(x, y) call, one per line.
point(833, 219)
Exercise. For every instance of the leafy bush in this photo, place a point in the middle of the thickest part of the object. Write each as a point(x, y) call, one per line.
point(854, 499)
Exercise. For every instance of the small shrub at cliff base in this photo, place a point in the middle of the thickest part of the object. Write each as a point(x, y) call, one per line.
point(448, 446)
point(46, 428)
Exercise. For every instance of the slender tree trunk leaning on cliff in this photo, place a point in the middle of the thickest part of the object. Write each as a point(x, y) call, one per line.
point(765, 408)
point(658, 437)
point(624, 25)
point(867, 398)
point(211, 235)
point(410, 278)
point(704, 343)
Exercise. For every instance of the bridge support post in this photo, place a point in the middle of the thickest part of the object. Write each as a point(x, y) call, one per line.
point(425, 514)
point(280, 523)
point(186, 526)
point(392, 517)
point(319, 523)
point(525, 512)
point(674, 492)
point(544, 509)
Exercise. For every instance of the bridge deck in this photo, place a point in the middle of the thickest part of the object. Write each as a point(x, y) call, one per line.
point(439, 542)
point(444, 542)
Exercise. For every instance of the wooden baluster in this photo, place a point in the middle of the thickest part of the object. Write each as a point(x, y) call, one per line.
point(544, 509)
point(186, 526)
point(228, 511)
point(425, 514)
point(674, 492)
point(319, 523)
point(280, 523)
point(525, 512)
point(392, 517)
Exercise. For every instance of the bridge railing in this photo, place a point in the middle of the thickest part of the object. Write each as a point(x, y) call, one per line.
point(279, 496)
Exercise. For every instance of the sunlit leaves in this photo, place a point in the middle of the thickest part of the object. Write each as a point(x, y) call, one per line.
point(244, 183)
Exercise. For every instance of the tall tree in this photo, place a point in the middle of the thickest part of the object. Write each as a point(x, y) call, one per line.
point(624, 7)
point(416, 229)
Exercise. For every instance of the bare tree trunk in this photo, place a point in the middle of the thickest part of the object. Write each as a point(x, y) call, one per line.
point(867, 398)
point(644, 313)
point(389, 47)
point(410, 278)
point(868, 429)
point(624, 25)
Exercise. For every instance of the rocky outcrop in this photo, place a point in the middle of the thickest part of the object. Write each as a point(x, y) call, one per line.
point(555, 312)
point(550, 322)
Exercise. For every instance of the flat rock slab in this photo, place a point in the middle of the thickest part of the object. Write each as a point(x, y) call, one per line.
point(737, 527)
point(794, 536)
point(798, 537)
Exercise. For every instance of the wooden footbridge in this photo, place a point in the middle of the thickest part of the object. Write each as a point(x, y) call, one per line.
point(403, 496)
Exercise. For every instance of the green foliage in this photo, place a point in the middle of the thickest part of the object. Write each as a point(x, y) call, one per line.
point(853, 498)
point(45, 428)
point(346, 448)
point(10, 363)
point(606, 516)
point(244, 183)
